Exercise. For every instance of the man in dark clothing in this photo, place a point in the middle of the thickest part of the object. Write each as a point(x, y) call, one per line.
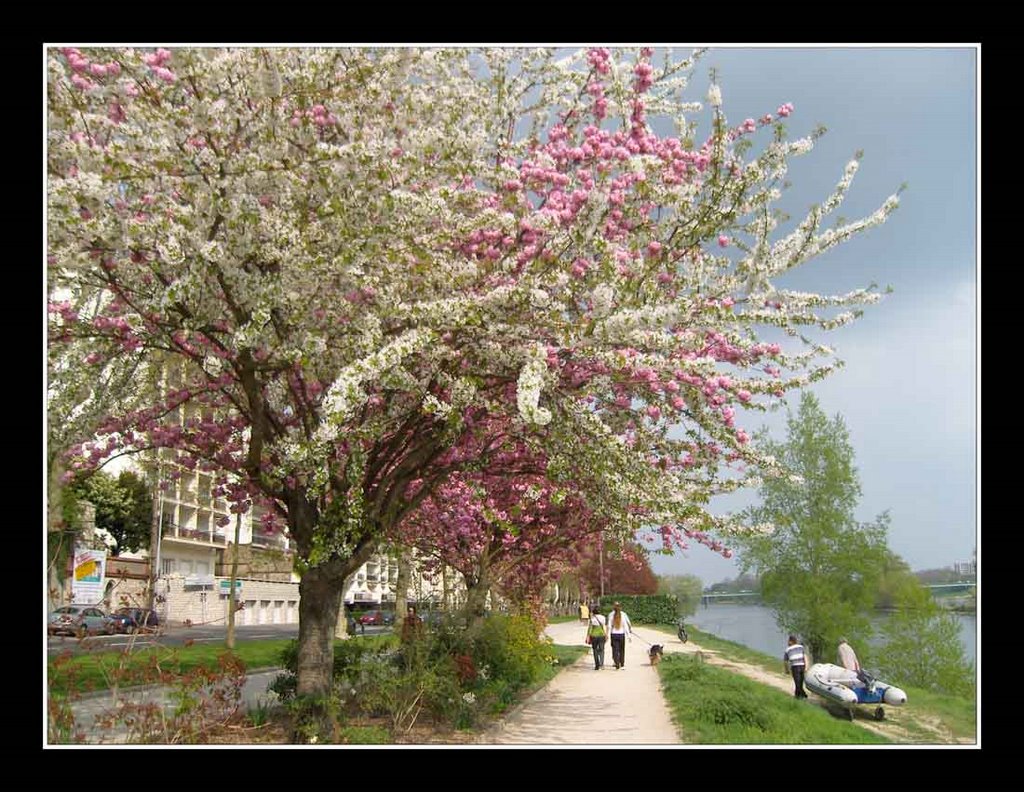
point(795, 660)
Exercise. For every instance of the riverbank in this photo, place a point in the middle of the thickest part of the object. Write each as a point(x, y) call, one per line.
point(755, 626)
point(927, 719)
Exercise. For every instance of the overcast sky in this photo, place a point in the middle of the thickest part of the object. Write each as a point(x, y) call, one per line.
point(908, 392)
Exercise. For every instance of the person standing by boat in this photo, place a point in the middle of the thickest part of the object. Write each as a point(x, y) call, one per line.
point(848, 660)
point(795, 661)
point(847, 657)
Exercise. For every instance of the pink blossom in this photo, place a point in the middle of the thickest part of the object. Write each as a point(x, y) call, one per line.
point(82, 83)
point(723, 240)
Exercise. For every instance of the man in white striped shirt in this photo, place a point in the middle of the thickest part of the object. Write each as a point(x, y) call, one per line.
point(795, 660)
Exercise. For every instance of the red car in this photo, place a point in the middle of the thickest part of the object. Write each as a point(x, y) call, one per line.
point(372, 617)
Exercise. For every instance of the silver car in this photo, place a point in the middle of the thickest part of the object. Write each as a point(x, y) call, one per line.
point(80, 620)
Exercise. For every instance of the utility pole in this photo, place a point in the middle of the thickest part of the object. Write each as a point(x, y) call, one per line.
point(234, 576)
point(155, 527)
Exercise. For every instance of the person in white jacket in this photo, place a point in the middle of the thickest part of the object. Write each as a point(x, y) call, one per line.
point(619, 627)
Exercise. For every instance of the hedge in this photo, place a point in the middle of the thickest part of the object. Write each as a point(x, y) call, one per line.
point(643, 608)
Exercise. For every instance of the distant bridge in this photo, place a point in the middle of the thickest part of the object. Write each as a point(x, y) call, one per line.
point(706, 599)
point(937, 589)
point(951, 588)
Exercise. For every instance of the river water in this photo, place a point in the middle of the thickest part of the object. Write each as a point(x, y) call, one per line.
point(754, 626)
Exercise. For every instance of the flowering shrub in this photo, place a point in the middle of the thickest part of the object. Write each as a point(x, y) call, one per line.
point(511, 647)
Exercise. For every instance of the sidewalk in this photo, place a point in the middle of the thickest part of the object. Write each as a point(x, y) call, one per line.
point(584, 707)
point(93, 705)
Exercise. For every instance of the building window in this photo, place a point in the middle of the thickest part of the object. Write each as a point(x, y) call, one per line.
point(167, 566)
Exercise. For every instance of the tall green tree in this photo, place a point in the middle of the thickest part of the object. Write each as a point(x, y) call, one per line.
point(123, 507)
point(687, 590)
point(922, 645)
point(898, 583)
point(819, 568)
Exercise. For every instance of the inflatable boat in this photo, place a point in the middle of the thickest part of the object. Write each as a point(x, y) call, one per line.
point(844, 687)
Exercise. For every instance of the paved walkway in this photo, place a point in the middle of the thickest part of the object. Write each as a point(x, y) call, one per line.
point(582, 706)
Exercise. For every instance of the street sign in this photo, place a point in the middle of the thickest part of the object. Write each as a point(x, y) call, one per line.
point(225, 587)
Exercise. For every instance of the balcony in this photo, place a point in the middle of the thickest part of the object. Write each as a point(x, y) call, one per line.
point(274, 541)
point(192, 535)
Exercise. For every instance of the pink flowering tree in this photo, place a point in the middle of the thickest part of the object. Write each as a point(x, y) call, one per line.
point(342, 254)
point(506, 528)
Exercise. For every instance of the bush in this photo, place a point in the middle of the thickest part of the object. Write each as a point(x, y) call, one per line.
point(348, 658)
point(645, 608)
point(402, 693)
point(923, 649)
point(732, 708)
point(510, 648)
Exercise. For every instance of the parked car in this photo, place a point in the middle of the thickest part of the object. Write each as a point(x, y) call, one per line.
point(80, 620)
point(128, 620)
point(375, 617)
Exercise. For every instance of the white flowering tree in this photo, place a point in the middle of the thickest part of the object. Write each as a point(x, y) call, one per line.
point(354, 251)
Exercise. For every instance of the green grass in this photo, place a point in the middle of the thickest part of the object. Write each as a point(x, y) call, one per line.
point(957, 714)
point(565, 655)
point(564, 619)
point(364, 735)
point(99, 671)
point(714, 706)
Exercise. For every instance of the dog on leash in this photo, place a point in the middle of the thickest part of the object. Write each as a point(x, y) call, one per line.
point(655, 653)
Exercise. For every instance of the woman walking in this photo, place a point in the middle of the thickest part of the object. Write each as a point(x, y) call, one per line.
point(597, 634)
point(620, 628)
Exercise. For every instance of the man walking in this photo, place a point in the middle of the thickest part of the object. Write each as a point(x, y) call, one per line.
point(795, 660)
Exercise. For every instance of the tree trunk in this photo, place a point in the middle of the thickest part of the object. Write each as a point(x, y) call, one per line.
point(815, 649)
point(476, 595)
point(320, 594)
point(232, 596)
